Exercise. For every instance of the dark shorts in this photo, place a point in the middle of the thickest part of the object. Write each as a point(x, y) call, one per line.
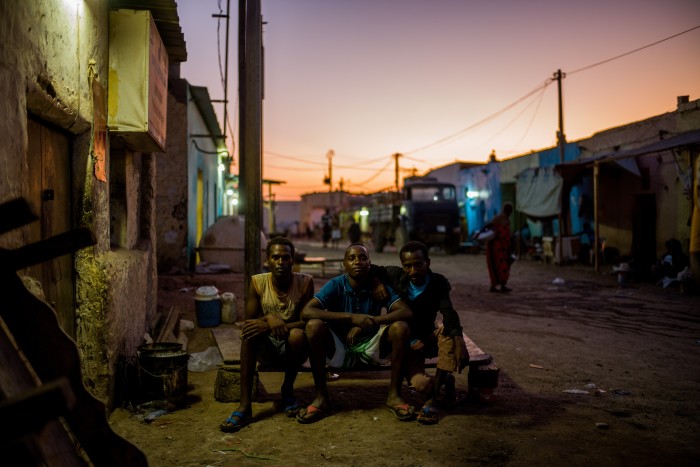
point(272, 352)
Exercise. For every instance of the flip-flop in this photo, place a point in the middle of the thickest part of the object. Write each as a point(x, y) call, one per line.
point(291, 406)
point(231, 425)
point(403, 412)
point(428, 415)
point(310, 414)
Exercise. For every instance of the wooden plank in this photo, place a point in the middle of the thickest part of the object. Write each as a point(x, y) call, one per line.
point(228, 339)
point(170, 325)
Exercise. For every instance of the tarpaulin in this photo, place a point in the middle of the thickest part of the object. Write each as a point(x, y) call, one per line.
point(539, 192)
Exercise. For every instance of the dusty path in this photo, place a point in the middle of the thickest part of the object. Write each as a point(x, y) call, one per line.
point(635, 351)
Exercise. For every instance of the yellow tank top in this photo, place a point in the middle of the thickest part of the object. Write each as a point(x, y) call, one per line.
point(287, 304)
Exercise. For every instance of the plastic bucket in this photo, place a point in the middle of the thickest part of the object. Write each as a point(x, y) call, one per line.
point(163, 372)
point(208, 312)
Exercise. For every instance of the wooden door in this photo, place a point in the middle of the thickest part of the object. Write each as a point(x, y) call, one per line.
point(49, 196)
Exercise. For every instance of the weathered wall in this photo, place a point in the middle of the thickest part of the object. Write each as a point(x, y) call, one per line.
point(51, 50)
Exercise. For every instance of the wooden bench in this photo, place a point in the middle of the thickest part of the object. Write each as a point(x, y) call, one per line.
point(482, 378)
point(335, 264)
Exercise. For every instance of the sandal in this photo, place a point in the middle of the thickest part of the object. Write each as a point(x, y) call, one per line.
point(291, 406)
point(428, 415)
point(231, 425)
point(310, 414)
point(403, 412)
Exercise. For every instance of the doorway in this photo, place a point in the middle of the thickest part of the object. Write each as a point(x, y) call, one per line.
point(49, 195)
point(644, 234)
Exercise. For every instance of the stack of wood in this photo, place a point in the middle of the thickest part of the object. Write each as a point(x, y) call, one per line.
point(167, 328)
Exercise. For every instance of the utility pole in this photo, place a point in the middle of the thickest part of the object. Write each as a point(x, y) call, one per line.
point(561, 141)
point(252, 151)
point(330, 155)
point(396, 171)
point(242, 122)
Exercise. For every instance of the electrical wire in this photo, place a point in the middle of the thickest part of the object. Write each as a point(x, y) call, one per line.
point(537, 102)
point(307, 161)
point(532, 119)
point(631, 51)
point(471, 127)
point(377, 174)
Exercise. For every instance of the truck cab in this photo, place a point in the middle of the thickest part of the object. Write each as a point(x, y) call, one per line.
point(426, 210)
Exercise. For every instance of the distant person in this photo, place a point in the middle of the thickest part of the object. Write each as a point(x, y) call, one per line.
point(498, 250)
point(346, 328)
point(427, 294)
point(326, 227)
point(273, 332)
point(335, 231)
point(354, 232)
point(586, 241)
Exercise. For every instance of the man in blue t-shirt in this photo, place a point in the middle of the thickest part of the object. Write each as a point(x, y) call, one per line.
point(346, 328)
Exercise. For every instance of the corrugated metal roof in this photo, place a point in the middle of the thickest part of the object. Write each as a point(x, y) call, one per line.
point(625, 158)
point(167, 21)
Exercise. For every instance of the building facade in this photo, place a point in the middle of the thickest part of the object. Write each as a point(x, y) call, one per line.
point(78, 163)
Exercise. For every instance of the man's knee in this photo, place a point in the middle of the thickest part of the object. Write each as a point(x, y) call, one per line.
point(399, 330)
point(314, 328)
point(296, 337)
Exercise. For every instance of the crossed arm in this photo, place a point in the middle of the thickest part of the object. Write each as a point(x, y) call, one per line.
point(357, 322)
point(256, 323)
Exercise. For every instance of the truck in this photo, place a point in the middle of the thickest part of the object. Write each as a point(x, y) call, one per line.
point(425, 210)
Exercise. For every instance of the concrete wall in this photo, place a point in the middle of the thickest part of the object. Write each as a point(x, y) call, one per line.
point(51, 51)
point(173, 198)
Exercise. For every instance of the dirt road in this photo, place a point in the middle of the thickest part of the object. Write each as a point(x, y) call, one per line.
point(590, 375)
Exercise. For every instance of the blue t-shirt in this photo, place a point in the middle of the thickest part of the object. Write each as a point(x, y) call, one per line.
point(338, 295)
point(415, 290)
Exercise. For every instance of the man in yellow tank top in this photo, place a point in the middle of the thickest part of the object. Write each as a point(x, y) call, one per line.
point(273, 332)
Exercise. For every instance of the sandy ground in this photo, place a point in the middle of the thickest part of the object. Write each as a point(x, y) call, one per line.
point(633, 352)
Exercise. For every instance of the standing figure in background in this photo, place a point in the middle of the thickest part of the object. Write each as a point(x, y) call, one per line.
point(326, 227)
point(354, 232)
point(498, 252)
point(335, 231)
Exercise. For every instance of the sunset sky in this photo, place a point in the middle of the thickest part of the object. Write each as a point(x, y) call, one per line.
point(442, 80)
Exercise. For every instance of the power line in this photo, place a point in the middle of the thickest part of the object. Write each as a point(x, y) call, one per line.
point(484, 120)
point(377, 174)
point(536, 90)
point(632, 51)
point(307, 161)
point(537, 102)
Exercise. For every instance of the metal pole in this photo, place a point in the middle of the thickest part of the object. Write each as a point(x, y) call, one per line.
point(596, 235)
point(330, 155)
point(228, 21)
